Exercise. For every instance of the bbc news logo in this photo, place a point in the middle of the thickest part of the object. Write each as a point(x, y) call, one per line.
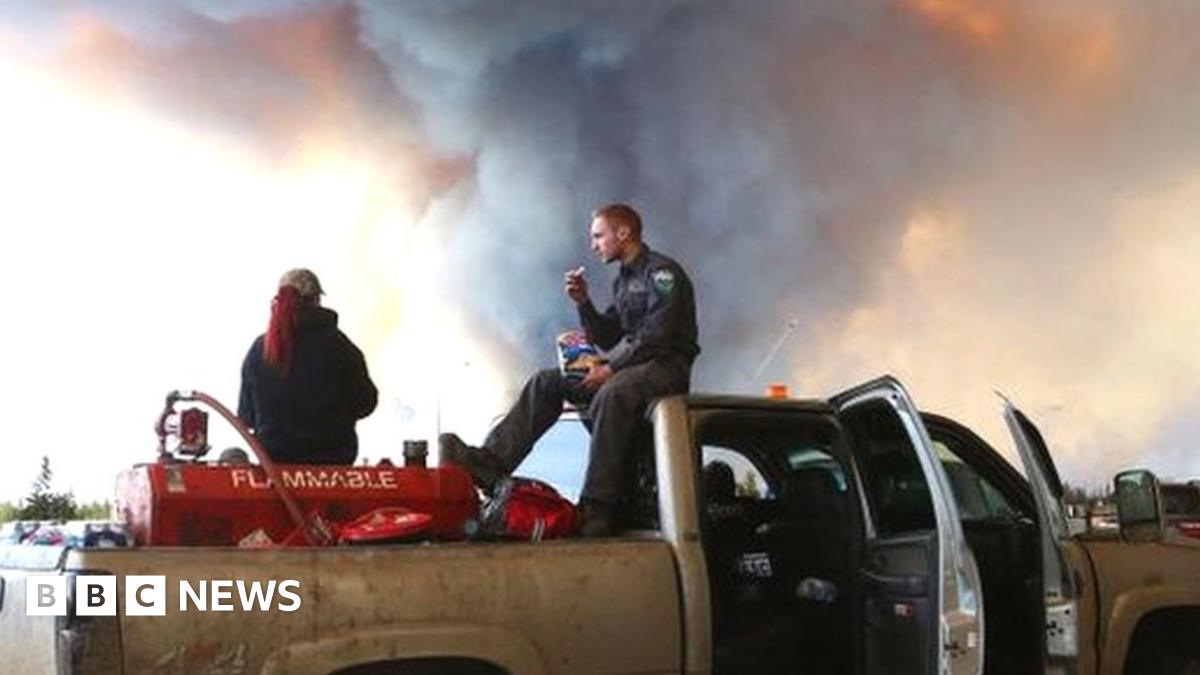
point(146, 595)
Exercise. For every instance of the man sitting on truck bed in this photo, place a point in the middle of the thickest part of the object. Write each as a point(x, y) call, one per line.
point(304, 383)
point(650, 336)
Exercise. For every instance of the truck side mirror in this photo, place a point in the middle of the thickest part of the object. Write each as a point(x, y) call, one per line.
point(1139, 506)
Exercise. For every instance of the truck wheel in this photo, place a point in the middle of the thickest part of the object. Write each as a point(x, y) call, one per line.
point(1156, 658)
point(1164, 643)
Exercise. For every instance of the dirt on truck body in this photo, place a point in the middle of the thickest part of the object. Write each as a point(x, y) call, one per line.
point(849, 535)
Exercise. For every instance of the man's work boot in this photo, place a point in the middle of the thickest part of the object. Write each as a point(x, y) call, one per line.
point(484, 469)
point(595, 521)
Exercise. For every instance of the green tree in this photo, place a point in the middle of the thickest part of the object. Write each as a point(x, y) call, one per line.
point(44, 504)
point(94, 511)
point(1074, 494)
point(1084, 495)
point(748, 486)
point(8, 512)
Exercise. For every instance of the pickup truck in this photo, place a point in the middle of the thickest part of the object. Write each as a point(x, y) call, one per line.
point(1181, 504)
point(847, 535)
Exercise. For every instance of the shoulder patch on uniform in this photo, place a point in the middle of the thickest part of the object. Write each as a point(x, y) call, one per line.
point(664, 281)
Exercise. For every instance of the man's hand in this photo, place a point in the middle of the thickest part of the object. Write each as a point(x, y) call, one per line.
point(576, 286)
point(597, 375)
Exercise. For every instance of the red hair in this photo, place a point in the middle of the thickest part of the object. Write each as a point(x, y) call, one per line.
point(281, 331)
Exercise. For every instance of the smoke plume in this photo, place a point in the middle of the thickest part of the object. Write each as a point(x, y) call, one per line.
point(969, 195)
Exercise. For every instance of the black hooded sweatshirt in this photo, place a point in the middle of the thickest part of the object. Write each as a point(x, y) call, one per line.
point(307, 416)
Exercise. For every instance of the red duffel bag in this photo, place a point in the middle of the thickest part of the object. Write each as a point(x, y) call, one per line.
point(528, 509)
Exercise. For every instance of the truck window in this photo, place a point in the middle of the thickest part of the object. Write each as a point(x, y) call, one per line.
point(803, 457)
point(893, 480)
point(977, 498)
point(748, 481)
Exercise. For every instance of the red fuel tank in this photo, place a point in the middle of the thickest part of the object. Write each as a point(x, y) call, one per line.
point(192, 504)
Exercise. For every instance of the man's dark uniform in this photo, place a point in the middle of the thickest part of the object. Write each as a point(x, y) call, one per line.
point(308, 415)
point(649, 334)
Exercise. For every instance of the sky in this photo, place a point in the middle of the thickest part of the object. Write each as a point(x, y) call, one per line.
point(972, 196)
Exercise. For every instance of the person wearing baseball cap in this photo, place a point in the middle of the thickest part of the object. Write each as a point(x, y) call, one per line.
point(304, 383)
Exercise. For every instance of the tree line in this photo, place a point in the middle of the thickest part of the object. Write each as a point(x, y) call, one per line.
point(43, 503)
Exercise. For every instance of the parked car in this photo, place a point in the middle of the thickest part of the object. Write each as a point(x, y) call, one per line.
point(1181, 505)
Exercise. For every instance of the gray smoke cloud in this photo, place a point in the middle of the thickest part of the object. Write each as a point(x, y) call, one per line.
point(967, 195)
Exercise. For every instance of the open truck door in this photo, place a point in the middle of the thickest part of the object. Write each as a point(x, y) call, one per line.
point(1058, 583)
point(921, 596)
